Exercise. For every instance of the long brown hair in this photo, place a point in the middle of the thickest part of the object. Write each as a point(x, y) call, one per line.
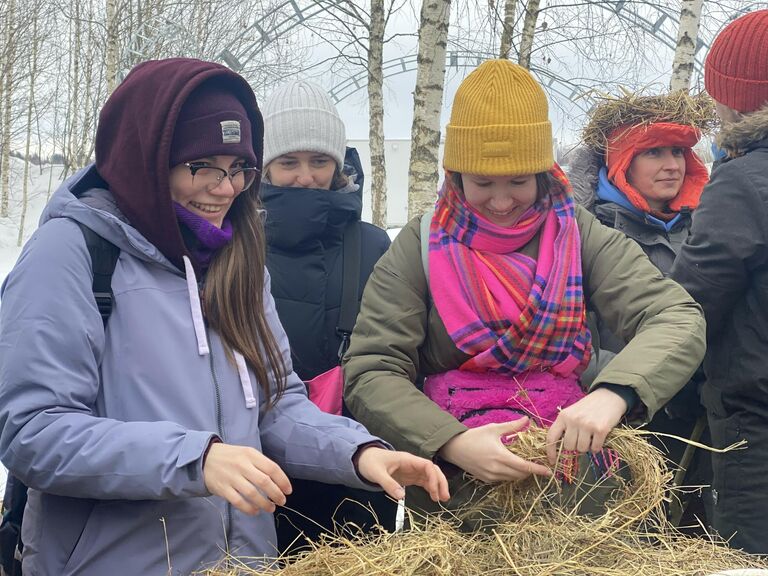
point(234, 296)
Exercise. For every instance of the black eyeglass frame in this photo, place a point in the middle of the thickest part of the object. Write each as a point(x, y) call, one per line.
point(195, 166)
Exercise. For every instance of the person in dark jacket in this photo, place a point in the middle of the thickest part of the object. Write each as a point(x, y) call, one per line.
point(312, 191)
point(161, 442)
point(638, 174)
point(724, 266)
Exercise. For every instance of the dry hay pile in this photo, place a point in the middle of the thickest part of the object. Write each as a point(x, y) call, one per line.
point(535, 537)
point(559, 546)
point(638, 500)
point(611, 113)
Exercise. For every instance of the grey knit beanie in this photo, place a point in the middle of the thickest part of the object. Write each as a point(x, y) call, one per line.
point(300, 117)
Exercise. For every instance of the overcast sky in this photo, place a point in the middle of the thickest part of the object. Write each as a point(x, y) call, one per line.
point(648, 67)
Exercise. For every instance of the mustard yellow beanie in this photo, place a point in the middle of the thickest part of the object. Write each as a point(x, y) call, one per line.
point(499, 123)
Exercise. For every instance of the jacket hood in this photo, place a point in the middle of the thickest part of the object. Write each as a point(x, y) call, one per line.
point(751, 132)
point(299, 215)
point(589, 178)
point(583, 175)
point(134, 136)
point(84, 198)
point(611, 199)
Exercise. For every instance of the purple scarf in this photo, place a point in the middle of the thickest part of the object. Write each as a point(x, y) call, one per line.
point(210, 239)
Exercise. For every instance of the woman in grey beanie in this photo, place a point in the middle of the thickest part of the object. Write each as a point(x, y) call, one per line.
point(312, 191)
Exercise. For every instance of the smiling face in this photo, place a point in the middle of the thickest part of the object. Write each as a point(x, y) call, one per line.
point(657, 174)
point(302, 170)
point(195, 192)
point(500, 199)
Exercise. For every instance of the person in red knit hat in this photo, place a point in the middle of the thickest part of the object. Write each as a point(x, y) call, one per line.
point(724, 266)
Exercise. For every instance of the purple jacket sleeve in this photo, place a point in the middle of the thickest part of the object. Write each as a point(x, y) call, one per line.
point(51, 342)
point(304, 441)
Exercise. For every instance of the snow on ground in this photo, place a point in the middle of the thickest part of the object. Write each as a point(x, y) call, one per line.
point(42, 182)
point(392, 232)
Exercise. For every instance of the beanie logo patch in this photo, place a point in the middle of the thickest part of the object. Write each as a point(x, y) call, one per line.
point(230, 132)
point(496, 149)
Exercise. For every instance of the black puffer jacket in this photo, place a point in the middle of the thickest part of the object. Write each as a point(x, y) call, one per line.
point(725, 268)
point(305, 231)
point(305, 241)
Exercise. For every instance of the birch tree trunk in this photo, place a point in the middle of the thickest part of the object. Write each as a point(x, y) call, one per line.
point(529, 29)
point(8, 83)
point(30, 106)
point(507, 28)
point(376, 114)
point(74, 92)
point(685, 52)
point(90, 93)
point(113, 48)
point(427, 105)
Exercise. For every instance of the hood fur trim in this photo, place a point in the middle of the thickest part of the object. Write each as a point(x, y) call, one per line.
point(739, 137)
point(583, 175)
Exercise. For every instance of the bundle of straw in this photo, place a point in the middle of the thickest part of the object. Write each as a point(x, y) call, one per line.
point(613, 113)
point(638, 500)
point(535, 538)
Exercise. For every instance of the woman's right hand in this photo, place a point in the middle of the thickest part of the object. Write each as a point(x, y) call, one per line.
point(245, 478)
point(481, 452)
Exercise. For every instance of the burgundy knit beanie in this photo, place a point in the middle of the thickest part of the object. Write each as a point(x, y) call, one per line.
point(736, 68)
point(212, 121)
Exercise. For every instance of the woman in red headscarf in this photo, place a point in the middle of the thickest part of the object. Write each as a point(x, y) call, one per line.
point(645, 180)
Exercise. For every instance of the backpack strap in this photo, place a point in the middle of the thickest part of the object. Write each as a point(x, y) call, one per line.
point(426, 220)
point(350, 286)
point(104, 256)
point(11, 546)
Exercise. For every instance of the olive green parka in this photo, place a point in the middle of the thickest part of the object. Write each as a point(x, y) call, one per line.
point(399, 336)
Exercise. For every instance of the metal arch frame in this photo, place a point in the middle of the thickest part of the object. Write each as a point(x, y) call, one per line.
point(295, 17)
point(153, 32)
point(656, 27)
point(292, 14)
point(455, 59)
point(298, 15)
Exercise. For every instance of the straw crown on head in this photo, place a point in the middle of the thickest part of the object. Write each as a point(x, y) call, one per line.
point(499, 123)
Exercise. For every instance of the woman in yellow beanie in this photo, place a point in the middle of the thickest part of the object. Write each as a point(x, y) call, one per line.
point(456, 350)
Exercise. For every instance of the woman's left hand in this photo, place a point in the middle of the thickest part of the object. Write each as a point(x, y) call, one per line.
point(394, 470)
point(583, 426)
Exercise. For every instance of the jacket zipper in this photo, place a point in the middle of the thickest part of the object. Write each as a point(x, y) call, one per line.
point(219, 429)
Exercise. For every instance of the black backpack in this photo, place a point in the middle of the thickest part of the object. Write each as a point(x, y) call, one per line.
point(103, 259)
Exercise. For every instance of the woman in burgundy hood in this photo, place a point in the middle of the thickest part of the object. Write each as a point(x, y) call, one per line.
point(163, 441)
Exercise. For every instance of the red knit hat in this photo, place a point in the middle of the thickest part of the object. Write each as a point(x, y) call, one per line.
point(736, 69)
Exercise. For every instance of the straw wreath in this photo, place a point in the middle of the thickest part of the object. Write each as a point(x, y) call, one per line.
point(612, 113)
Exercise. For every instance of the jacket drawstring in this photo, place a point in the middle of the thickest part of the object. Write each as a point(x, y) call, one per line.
point(245, 380)
point(196, 308)
point(202, 340)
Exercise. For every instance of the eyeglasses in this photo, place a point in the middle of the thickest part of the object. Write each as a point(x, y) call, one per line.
point(209, 177)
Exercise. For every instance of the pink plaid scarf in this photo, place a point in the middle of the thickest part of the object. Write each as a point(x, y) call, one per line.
point(510, 312)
